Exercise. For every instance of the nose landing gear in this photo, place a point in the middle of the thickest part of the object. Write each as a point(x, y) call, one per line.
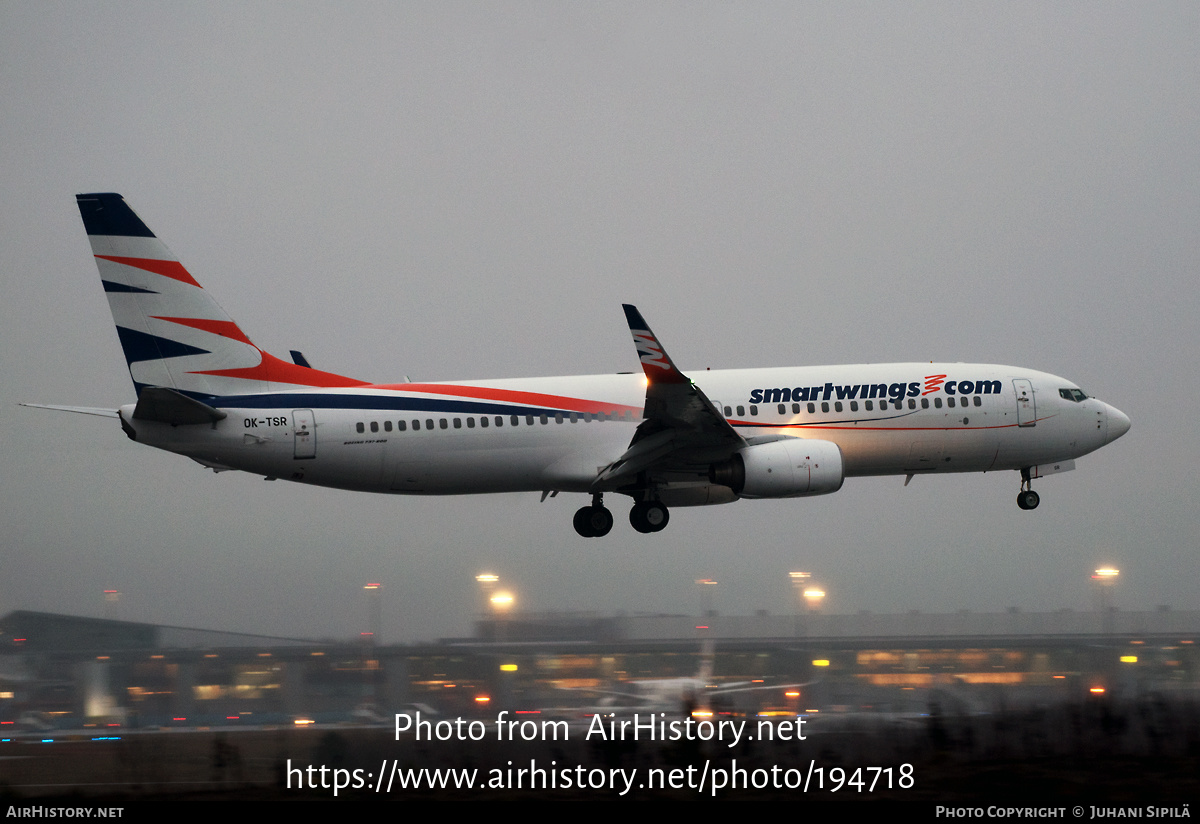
point(1027, 498)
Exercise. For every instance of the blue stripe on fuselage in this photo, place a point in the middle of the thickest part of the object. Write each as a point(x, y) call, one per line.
point(375, 403)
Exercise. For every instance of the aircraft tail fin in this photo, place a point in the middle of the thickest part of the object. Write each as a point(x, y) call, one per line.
point(173, 332)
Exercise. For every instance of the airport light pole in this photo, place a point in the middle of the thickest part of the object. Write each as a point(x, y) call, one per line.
point(370, 657)
point(708, 588)
point(487, 585)
point(1106, 579)
point(799, 582)
point(501, 602)
point(111, 599)
point(373, 611)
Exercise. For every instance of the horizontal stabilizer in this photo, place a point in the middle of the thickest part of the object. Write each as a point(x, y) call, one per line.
point(157, 403)
point(82, 410)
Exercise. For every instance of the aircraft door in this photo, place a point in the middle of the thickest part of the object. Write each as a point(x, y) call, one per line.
point(304, 428)
point(1026, 404)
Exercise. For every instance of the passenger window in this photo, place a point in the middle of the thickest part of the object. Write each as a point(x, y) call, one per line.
point(416, 424)
point(374, 426)
point(912, 403)
point(515, 420)
point(458, 423)
point(837, 406)
point(825, 406)
point(870, 406)
point(358, 427)
point(853, 406)
point(729, 412)
point(753, 410)
point(950, 402)
point(470, 423)
point(499, 420)
point(782, 409)
point(741, 411)
point(401, 425)
point(387, 426)
point(483, 421)
point(574, 417)
point(812, 408)
point(545, 418)
point(978, 401)
point(429, 423)
point(529, 420)
point(937, 402)
point(924, 403)
point(882, 405)
point(443, 423)
point(558, 417)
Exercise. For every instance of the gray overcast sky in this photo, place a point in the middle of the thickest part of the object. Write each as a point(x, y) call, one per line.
point(468, 190)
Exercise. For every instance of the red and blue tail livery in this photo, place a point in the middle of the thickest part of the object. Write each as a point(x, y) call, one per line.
point(172, 332)
point(203, 389)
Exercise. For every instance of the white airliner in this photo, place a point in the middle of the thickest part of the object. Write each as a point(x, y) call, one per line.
point(695, 694)
point(204, 390)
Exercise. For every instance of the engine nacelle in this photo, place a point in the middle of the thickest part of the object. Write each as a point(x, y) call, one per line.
point(789, 468)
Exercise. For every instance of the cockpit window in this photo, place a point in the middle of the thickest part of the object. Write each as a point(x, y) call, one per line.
point(1076, 395)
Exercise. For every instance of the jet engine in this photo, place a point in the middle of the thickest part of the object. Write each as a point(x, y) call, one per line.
point(790, 468)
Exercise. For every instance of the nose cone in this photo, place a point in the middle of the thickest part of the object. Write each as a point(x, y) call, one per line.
point(1118, 424)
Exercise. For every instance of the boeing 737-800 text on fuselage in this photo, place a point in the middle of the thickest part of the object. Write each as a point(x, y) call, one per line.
point(204, 390)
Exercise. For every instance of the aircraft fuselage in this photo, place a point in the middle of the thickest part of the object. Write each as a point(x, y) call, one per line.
point(557, 433)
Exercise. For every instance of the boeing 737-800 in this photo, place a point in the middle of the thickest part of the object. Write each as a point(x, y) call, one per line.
point(204, 390)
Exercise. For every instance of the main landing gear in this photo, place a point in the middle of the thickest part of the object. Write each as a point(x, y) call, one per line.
point(649, 516)
point(596, 521)
point(1027, 498)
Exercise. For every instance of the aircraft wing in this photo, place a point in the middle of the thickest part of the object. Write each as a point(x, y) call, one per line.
point(681, 427)
point(739, 687)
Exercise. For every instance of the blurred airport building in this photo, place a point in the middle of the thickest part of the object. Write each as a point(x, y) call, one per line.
point(61, 671)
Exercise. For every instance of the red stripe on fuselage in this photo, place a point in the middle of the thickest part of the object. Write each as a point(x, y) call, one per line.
point(509, 396)
point(274, 370)
point(167, 268)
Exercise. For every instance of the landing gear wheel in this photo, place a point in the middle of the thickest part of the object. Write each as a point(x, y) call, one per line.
point(1028, 499)
point(593, 521)
point(649, 516)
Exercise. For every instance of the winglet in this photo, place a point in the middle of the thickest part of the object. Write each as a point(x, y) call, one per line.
point(656, 363)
